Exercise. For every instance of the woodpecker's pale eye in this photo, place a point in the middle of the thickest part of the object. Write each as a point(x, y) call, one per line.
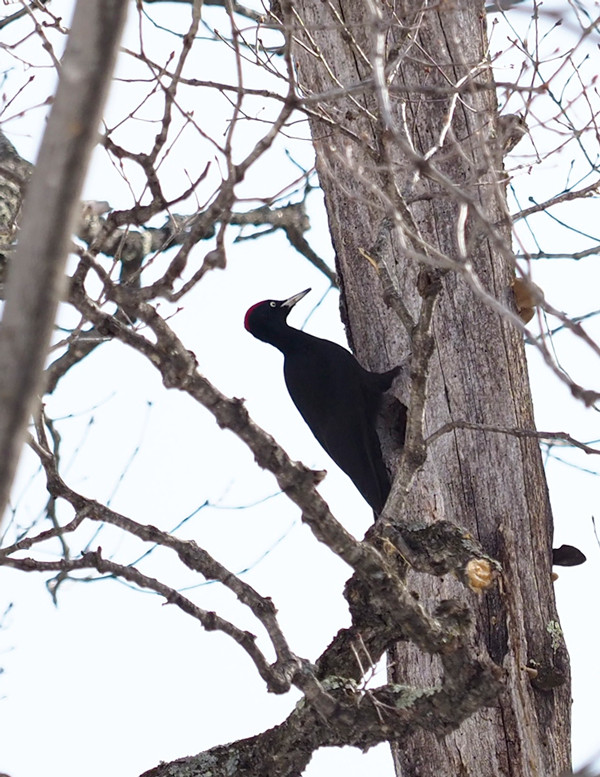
point(273, 304)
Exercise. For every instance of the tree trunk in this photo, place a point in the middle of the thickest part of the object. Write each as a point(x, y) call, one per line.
point(388, 205)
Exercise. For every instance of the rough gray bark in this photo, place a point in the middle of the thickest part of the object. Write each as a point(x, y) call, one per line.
point(36, 275)
point(15, 173)
point(390, 204)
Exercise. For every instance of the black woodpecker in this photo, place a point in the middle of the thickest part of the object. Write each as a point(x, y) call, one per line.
point(338, 399)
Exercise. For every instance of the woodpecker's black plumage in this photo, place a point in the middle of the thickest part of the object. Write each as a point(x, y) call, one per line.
point(338, 399)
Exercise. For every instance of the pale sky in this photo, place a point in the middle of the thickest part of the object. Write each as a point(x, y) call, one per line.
point(114, 681)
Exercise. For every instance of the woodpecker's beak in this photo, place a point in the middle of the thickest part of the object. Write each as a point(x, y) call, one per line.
point(289, 303)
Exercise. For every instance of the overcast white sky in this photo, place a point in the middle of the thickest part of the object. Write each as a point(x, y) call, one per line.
point(114, 681)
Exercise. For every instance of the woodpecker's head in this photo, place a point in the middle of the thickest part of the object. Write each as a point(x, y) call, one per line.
point(266, 319)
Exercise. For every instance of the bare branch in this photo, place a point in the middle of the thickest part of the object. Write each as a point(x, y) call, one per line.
point(540, 207)
point(36, 279)
point(561, 437)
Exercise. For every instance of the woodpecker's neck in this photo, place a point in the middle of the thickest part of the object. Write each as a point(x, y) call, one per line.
point(284, 337)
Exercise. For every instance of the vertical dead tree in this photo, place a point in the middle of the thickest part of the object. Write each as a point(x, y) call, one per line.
point(403, 116)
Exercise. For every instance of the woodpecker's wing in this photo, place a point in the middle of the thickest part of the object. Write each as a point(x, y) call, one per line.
point(329, 388)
